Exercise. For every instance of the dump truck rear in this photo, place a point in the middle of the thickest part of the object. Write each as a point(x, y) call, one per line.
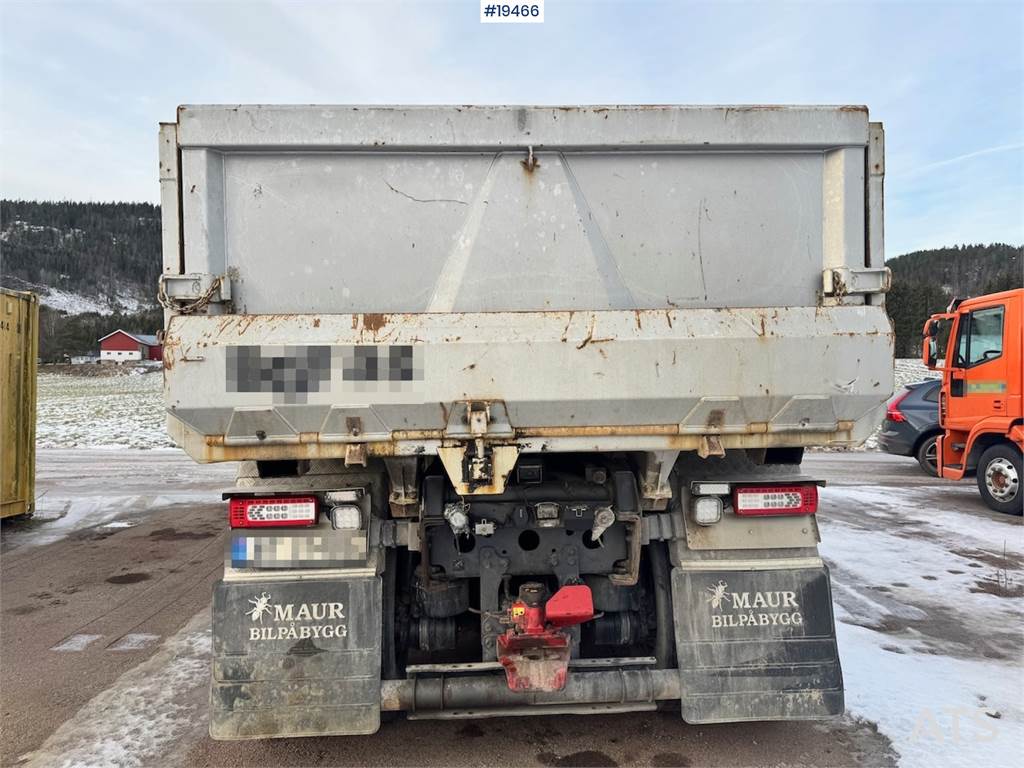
point(519, 397)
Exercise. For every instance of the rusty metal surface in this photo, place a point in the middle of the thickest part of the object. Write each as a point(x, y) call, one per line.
point(596, 278)
point(645, 380)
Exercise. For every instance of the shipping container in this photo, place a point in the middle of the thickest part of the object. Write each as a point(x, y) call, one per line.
point(19, 350)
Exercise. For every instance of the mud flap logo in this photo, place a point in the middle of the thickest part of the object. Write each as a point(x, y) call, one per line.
point(260, 606)
point(289, 620)
point(752, 609)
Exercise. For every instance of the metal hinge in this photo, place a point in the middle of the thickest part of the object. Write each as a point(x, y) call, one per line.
point(844, 281)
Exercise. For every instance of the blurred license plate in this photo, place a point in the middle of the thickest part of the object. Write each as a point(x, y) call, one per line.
point(300, 549)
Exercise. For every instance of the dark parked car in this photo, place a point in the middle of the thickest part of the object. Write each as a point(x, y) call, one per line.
point(911, 423)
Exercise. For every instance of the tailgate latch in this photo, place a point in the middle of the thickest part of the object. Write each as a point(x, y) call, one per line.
point(192, 293)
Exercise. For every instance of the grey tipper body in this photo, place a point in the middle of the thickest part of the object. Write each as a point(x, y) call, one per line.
point(487, 321)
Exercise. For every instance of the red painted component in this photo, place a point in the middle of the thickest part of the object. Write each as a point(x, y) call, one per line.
point(569, 606)
point(535, 651)
point(273, 511)
point(893, 412)
point(768, 500)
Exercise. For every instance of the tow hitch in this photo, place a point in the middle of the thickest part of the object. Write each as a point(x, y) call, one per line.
point(535, 650)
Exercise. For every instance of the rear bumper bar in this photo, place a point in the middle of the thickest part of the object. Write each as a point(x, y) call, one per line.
point(623, 688)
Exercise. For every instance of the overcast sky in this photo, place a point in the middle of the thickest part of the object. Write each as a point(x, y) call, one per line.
point(84, 84)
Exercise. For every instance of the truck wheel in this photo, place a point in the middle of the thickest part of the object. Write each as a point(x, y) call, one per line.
point(999, 479)
point(926, 455)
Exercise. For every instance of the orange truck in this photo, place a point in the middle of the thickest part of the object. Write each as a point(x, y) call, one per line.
point(978, 344)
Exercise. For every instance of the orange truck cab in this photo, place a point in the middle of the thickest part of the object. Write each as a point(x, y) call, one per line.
point(979, 347)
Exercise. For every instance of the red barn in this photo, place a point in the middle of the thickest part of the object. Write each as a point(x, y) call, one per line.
point(121, 346)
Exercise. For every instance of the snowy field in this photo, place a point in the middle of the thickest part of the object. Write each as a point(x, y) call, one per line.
point(101, 411)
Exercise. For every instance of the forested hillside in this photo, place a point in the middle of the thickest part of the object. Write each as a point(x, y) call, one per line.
point(96, 265)
point(79, 257)
point(924, 282)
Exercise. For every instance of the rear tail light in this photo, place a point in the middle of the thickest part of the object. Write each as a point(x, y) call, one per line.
point(346, 517)
point(893, 413)
point(272, 511)
point(775, 500)
point(707, 510)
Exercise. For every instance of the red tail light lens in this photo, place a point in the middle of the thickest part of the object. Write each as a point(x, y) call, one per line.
point(272, 511)
point(775, 500)
point(893, 413)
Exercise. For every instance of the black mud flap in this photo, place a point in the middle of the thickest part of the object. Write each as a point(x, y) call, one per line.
point(296, 658)
point(756, 645)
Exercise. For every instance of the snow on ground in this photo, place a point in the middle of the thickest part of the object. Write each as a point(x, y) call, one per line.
point(80, 489)
point(929, 612)
point(912, 370)
point(61, 513)
point(101, 411)
point(76, 303)
point(137, 720)
point(72, 303)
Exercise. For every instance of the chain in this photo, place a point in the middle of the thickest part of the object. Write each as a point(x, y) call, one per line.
point(190, 307)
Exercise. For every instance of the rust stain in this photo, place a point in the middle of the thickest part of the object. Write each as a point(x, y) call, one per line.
point(374, 321)
point(588, 337)
point(716, 419)
point(171, 346)
point(244, 322)
point(568, 322)
point(213, 449)
point(316, 322)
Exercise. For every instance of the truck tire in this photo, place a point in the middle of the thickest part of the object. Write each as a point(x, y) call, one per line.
point(926, 455)
point(999, 479)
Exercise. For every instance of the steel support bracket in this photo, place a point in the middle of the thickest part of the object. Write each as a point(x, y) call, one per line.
point(847, 281)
